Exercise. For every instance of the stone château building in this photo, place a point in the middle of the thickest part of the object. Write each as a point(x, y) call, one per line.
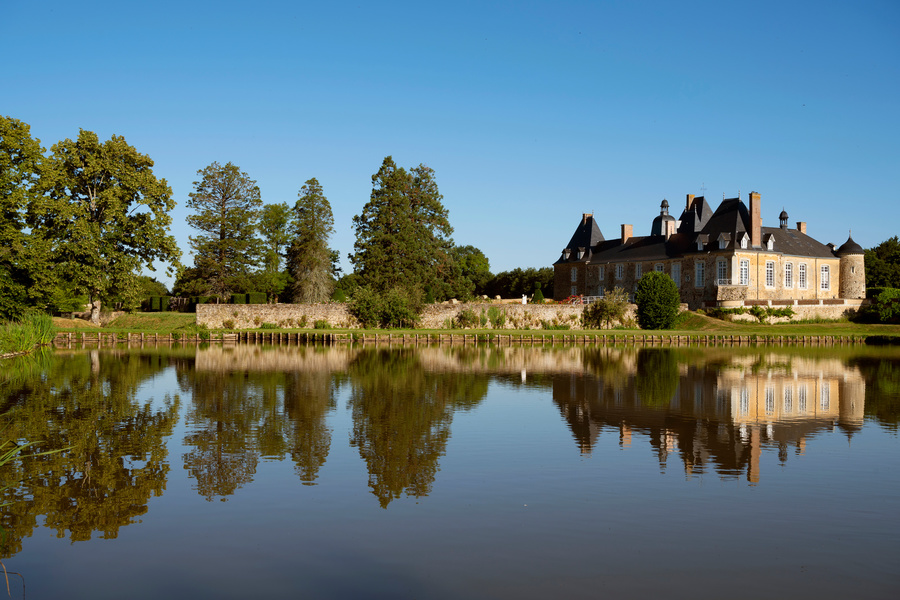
point(716, 258)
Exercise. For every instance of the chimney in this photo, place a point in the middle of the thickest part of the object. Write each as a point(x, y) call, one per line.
point(585, 217)
point(801, 226)
point(626, 233)
point(690, 200)
point(755, 220)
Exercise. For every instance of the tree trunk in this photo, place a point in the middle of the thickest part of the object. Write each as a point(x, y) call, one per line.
point(95, 312)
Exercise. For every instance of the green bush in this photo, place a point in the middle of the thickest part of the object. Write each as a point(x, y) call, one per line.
point(497, 317)
point(239, 298)
point(657, 301)
point(339, 296)
point(256, 298)
point(228, 324)
point(554, 326)
point(466, 318)
point(268, 326)
point(887, 305)
point(154, 303)
point(366, 305)
point(606, 310)
point(400, 309)
point(321, 324)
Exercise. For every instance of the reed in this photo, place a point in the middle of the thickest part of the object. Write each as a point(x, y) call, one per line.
point(23, 335)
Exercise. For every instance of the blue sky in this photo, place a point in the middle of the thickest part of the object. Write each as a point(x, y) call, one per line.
point(530, 113)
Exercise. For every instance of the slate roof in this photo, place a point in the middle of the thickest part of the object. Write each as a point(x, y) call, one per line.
point(731, 221)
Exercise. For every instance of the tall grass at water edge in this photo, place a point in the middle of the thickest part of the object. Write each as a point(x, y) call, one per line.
point(29, 331)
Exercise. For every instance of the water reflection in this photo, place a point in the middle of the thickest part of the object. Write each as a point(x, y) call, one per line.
point(714, 409)
point(710, 410)
point(117, 457)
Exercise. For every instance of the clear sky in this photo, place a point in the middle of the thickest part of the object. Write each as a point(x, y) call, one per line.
point(530, 113)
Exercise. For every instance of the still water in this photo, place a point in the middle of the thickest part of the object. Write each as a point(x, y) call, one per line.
point(363, 472)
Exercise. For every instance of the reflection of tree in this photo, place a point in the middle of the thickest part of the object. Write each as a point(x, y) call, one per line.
point(882, 388)
point(401, 418)
point(308, 397)
point(657, 376)
point(117, 459)
point(223, 411)
point(239, 416)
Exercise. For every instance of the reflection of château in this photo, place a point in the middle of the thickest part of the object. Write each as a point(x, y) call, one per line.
point(720, 413)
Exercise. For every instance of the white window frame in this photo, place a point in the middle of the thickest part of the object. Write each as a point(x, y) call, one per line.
point(658, 267)
point(770, 273)
point(601, 272)
point(788, 275)
point(745, 271)
point(620, 271)
point(574, 277)
point(744, 241)
point(802, 276)
point(699, 273)
point(825, 278)
point(638, 271)
point(721, 270)
point(676, 273)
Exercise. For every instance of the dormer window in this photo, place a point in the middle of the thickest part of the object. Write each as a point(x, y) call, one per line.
point(699, 244)
point(770, 243)
point(580, 253)
point(566, 254)
point(723, 243)
point(745, 241)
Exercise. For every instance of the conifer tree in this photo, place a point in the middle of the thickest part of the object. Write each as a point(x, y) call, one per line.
point(309, 258)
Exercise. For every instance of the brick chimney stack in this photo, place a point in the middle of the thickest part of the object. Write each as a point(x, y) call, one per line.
point(626, 233)
point(585, 217)
point(801, 226)
point(755, 220)
point(690, 200)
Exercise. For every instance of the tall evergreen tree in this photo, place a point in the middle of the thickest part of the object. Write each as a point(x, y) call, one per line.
point(227, 205)
point(309, 258)
point(403, 234)
point(105, 214)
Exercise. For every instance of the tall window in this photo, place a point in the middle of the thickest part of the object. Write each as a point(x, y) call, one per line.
point(638, 271)
point(601, 272)
point(788, 400)
point(802, 275)
point(770, 400)
point(721, 271)
point(699, 273)
point(676, 273)
point(620, 271)
point(770, 273)
point(658, 267)
point(824, 278)
point(745, 272)
point(574, 274)
point(788, 275)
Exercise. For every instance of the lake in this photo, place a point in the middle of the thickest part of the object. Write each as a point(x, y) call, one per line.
point(453, 472)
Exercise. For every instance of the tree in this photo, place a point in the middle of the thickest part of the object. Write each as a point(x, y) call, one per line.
point(474, 267)
point(275, 227)
point(657, 301)
point(403, 233)
point(309, 258)
point(20, 167)
point(227, 205)
point(883, 264)
point(105, 216)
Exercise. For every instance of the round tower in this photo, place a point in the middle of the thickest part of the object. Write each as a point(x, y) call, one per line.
point(853, 270)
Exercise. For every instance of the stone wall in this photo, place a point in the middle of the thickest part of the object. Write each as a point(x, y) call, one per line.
point(440, 316)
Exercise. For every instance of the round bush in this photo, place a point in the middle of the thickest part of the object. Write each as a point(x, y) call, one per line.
point(657, 301)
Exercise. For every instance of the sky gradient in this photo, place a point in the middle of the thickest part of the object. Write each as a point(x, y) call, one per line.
point(530, 113)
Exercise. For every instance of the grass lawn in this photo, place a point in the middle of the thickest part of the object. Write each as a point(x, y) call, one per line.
point(692, 324)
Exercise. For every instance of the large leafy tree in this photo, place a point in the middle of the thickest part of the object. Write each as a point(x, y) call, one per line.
point(657, 301)
point(227, 205)
point(20, 167)
point(883, 264)
point(403, 233)
point(105, 215)
point(309, 258)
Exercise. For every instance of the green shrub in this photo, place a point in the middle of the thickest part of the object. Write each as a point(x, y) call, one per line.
point(321, 324)
point(887, 305)
point(497, 317)
point(228, 324)
point(400, 309)
point(466, 318)
point(538, 297)
point(606, 310)
point(657, 301)
point(256, 298)
point(366, 305)
point(554, 326)
point(339, 296)
point(239, 298)
point(268, 326)
point(483, 319)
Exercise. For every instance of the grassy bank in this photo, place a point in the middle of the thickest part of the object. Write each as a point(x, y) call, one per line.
point(23, 335)
point(690, 324)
